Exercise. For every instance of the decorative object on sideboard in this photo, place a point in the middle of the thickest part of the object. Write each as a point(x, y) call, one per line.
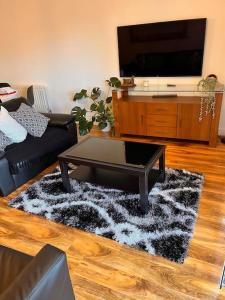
point(100, 110)
point(128, 82)
point(208, 99)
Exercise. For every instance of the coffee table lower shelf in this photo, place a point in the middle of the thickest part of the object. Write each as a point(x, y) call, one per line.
point(113, 179)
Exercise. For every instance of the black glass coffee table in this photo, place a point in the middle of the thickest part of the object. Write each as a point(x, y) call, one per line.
point(114, 163)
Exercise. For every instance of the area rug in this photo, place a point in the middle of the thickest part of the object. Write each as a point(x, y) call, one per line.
point(165, 231)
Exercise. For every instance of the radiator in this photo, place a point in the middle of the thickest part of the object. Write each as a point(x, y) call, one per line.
point(39, 95)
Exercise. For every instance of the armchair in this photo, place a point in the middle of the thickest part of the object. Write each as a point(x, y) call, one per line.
point(43, 277)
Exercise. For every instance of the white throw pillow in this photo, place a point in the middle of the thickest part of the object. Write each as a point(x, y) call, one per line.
point(11, 128)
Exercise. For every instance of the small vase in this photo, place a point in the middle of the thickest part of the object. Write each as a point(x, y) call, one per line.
point(107, 128)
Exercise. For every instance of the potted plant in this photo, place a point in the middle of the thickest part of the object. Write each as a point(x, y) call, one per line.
point(100, 109)
point(208, 100)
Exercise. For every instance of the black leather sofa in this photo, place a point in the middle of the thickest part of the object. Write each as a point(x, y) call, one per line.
point(22, 161)
point(43, 277)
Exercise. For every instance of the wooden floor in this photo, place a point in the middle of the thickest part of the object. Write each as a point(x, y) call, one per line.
point(103, 269)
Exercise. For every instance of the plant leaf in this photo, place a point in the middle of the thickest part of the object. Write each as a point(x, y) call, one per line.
point(118, 84)
point(95, 93)
point(102, 125)
point(108, 100)
point(84, 93)
point(98, 119)
point(114, 82)
point(89, 125)
point(83, 131)
point(83, 111)
point(80, 95)
point(101, 107)
point(76, 109)
point(93, 107)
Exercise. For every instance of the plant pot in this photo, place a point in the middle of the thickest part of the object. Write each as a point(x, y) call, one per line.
point(107, 128)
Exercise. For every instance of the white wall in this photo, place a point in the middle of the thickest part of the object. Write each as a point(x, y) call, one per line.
point(68, 45)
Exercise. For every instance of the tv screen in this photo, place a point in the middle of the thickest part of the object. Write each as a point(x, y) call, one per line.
point(163, 49)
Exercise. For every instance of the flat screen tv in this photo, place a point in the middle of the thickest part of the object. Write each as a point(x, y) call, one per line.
point(164, 49)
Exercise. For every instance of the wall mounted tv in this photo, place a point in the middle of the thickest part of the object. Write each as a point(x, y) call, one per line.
point(164, 49)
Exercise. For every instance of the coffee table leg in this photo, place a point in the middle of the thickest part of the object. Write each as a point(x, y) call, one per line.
point(143, 189)
point(162, 167)
point(65, 176)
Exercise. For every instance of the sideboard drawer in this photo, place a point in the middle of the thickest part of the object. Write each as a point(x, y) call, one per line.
point(162, 108)
point(170, 132)
point(162, 121)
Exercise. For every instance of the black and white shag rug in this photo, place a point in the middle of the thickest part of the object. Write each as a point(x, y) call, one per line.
point(166, 230)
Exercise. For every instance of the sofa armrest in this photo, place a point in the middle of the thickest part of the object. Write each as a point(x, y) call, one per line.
point(46, 276)
point(64, 121)
point(59, 120)
point(7, 184)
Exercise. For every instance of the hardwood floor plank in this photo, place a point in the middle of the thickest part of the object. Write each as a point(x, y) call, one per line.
point(94, 291)
point(162, 274)
point(124, 283)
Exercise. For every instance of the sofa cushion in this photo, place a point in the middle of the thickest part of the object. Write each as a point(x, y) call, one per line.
point(34, 122)
point(34, 150)
point(4, 141)
point(11, 128)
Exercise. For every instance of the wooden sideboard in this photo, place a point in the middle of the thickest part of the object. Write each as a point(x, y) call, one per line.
point(176, 117)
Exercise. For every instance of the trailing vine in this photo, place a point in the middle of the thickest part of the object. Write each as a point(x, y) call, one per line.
point(208, 99)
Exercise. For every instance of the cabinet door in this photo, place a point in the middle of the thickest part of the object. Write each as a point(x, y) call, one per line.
point(132, 118)
point(189, 126)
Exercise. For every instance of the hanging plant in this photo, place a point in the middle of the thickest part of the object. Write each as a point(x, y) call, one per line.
point(208, 99)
